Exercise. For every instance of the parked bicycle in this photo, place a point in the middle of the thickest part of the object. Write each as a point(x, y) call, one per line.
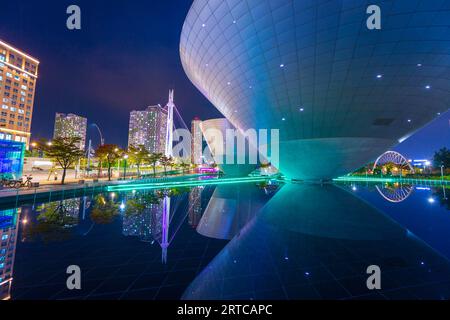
point(17, 184)
point(7, 183)
point(24, 184)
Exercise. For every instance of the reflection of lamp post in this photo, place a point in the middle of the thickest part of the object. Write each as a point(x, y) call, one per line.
point(426, 165)
point(125, 157)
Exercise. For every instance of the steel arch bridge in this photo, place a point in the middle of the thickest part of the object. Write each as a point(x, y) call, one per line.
point(395, 194)
point(395, 158)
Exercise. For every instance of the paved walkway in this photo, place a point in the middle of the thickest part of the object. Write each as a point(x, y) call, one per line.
point(72, 185)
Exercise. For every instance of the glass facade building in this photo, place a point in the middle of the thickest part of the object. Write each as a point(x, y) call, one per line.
point(11, 159)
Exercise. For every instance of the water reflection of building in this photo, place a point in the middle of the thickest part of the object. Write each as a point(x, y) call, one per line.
point(150, 224)
point(8, 240)
point(158, 221)
point(143, 225)
point(305, 229)
point(195, 206)
point(230, 208)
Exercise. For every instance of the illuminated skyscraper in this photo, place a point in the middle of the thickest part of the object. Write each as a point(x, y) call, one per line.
point(18, 75)
point(149, 128)
point(70, 125)
point(196, 144)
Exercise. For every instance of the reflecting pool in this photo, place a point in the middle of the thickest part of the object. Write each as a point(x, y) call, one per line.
point(263, 240)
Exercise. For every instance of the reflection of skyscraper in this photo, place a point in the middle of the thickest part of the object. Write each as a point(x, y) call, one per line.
point(8, 239)
point(142, 225)
point(196, 142)
point(195, 206)
point(159, 222)
point(148, 128)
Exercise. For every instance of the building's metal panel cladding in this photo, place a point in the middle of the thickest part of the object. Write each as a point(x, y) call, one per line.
point(340, 93)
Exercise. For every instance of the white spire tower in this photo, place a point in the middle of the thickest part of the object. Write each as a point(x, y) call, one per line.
point(169, 131)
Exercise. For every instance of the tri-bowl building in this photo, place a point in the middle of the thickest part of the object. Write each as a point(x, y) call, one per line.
point(340, 93)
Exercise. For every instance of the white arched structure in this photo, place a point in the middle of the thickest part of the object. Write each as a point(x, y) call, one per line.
point(393, 157)
point(395, 195)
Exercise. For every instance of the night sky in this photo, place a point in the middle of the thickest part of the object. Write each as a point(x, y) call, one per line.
point(125, 58)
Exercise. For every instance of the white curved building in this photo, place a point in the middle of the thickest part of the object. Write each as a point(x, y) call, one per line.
point(340, 94)
point(215, 133)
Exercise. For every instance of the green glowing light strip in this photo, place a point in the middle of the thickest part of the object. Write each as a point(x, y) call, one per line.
point(130, 187)
point(355, 179)
point(402, 180)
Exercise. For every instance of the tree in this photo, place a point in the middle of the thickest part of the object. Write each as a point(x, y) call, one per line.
point(166, 162)
point(153, 158)
point(53, 223)
point(104, 211)
point(109, 153)
point(442, 157)
point(64, 151)
point(185, 166)
point(138, 155)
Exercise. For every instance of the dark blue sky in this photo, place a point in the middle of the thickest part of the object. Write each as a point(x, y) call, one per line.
point(125, 57)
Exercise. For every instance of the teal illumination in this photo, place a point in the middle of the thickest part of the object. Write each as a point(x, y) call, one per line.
point(178, 184)
point(391, 180)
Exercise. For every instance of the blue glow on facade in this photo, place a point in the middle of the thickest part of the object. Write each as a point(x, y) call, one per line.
point(11, 159)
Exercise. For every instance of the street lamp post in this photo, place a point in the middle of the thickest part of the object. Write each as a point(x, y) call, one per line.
point(442, 172)
point(102, 141)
